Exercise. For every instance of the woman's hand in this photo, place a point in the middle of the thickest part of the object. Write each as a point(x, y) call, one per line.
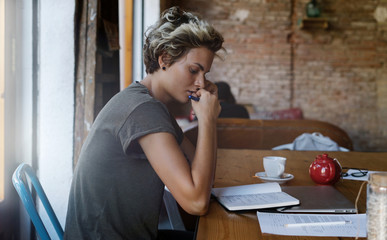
point(211, 87)
point(208, 108)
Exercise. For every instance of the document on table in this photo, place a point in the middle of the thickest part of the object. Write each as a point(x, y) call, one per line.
point(275, 223)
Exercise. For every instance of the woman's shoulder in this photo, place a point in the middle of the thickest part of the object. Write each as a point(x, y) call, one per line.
point(135, 97)
point(136, 88)
point(233, 111)
point(134, 94)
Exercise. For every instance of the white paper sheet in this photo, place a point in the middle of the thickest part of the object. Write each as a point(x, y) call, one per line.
point(274, 223)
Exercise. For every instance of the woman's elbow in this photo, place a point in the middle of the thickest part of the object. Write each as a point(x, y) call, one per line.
point(198, 208)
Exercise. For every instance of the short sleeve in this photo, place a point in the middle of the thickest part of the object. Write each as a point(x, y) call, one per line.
point(149, 117)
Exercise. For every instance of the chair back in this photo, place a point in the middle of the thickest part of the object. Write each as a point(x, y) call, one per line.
point(267, 134)
point(241, 133)
point(24, 190)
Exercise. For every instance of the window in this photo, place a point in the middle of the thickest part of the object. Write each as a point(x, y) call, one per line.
point(2, 77)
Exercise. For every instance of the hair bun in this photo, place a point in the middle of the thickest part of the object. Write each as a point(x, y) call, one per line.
point(175, 16)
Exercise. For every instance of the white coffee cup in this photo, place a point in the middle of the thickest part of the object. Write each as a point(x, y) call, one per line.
point(274, 166)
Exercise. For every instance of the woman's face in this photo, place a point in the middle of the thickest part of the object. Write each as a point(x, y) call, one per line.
point(187, 74)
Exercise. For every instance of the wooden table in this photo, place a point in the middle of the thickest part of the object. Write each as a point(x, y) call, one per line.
point(237, 167)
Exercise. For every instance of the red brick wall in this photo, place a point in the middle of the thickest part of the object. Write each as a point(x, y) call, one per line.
point(338, 75)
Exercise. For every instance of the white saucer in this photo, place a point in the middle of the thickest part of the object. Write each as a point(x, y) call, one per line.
point(284, 178)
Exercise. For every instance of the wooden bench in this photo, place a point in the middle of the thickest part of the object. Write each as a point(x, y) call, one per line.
point(266, 134)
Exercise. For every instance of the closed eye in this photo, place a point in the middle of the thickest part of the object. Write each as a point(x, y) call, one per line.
point(193, 71)
point(196, 68)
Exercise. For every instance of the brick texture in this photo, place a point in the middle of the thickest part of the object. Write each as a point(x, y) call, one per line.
point(337, 75)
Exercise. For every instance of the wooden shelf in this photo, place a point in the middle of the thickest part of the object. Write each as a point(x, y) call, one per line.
point(313, 23)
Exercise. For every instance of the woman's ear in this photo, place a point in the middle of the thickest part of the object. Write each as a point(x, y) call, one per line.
point(164, 61)
point(161, 62)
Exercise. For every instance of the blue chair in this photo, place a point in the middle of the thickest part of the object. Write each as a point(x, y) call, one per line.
point(23, 188)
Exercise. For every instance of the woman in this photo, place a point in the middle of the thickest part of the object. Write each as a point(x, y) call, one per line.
point(135, 146)
point(230, 109)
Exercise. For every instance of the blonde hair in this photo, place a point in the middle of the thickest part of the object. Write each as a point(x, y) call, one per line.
point(174, 34)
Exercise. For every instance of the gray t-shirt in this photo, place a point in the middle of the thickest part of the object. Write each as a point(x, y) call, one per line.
point(115, 193)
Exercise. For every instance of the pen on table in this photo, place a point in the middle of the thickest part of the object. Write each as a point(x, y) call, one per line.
point(316, 224)
point(194, 98)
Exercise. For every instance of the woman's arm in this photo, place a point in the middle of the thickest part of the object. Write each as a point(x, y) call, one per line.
point(190, 185)
point(188, 149)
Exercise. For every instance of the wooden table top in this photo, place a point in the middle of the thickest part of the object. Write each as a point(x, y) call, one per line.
point(237, 167)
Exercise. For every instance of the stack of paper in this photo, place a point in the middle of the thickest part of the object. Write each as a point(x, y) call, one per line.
point(328, 225)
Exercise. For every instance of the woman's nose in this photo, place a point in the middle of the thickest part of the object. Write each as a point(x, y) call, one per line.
point(200, 81)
